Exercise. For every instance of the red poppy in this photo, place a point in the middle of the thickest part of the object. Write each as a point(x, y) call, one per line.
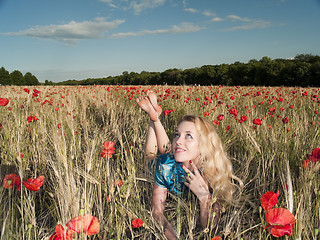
point(106, 153)
point(216, 122)
point(272, 109)
point(306, 163)
point(220, 117)
point(315, 155)
point(216, 238)
point(243, 118)
point(87, 223)
point(257, 121)
point(109, 145)
point(136, 223)
point(36, 93)
point(108, 149)
point(34, 184)
point(26, 90)
point(269, 199)
point(32, 119)
point(233, 111)
point(281, 222)
point(285, 120)
point(118, 182)
point(166, 112)
point(4, 101)
point(11, 180)
point(60, 234)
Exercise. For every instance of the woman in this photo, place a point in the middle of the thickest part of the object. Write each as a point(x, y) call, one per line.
point(195, 160)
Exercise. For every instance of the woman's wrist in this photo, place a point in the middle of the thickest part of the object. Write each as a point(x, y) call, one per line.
point(204, 198)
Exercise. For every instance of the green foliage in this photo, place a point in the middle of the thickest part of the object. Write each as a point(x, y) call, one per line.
point(17, 78)
point(303, 70)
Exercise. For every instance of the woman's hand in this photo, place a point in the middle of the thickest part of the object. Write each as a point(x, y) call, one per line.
point(199, 186)
point(196, 183)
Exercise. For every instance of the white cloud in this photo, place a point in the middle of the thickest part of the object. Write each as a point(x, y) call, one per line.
point(109, 2)
point(208, 13)
point(216, 19)
point(192, 10)
point(247, 23)
point(139, 6)
point(237, 18)
point(252, 24)
point(136, 5)
point(183, 28)
point(72, 31)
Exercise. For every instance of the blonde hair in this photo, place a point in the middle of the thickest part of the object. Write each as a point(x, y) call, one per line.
point(215, 165)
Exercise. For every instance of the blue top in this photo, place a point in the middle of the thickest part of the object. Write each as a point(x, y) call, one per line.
point(169, 174)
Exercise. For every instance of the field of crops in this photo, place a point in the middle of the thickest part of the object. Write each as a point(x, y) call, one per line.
point(61, 173)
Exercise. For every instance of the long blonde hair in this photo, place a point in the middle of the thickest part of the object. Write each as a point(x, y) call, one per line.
point(215, 165)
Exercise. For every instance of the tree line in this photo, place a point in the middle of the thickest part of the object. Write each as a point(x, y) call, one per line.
point(302, 70)
point(17, 78)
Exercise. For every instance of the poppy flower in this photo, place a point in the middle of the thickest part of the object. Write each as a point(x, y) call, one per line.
point(269, 199)
point(220, 117)
point(27, 90)
point(233, 111)
point(60, 234)
point(285, 120)
point(216, 122)
point(11, 180)
point(216, 238)
point(257, 121)
point(35, 93)
point(108, 149)
point(136, 223)
point(281, 222)
point(243, 118)
point(34, 184)
point(108, 145)
point(118, 182)
point(32, 119)
point(87, 224)
point(106, 153)
point(315, 155)
point(4, 101)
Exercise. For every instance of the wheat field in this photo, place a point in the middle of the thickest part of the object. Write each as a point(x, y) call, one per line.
point(58, 132)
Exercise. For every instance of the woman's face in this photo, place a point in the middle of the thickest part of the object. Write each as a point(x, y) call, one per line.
point(186, 143)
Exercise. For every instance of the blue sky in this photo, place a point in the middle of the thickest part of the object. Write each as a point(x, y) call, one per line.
point(79, 39)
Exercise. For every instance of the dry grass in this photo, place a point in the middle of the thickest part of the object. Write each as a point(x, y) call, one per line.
point(65, 143)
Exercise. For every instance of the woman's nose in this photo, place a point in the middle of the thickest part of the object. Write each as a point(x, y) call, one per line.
point(179, 140)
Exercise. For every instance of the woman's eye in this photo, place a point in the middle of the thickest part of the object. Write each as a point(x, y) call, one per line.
point(176, 135)
point(189, 136)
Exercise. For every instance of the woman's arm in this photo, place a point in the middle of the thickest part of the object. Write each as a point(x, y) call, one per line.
point(159, 196)
point(209, 211)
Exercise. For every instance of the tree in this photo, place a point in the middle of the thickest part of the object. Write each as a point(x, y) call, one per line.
point(30, 79)
point(4, 77)
point(17, 78)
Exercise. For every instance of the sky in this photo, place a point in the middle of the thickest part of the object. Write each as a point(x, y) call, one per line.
point(78, 39)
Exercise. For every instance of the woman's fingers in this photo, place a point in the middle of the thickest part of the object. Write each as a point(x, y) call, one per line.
point(195, 169)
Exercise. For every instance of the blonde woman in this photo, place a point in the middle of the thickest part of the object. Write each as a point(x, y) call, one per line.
point(195, 160)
